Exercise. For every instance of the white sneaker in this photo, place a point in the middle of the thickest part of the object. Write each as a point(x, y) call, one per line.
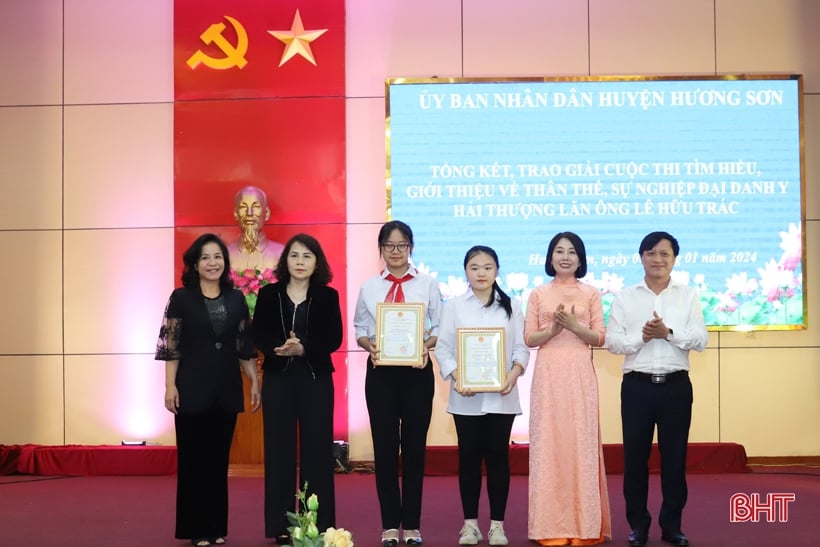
point(412, 537)
point(497, 535)
point(469, 535)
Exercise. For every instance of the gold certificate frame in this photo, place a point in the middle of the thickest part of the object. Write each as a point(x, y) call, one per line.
point(481, 356)
point(400, 333)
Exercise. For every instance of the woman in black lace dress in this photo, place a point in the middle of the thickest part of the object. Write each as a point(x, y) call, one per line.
point(204, 340)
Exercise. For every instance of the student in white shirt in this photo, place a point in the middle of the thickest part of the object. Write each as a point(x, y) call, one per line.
point(483, 420)
point(399, 398)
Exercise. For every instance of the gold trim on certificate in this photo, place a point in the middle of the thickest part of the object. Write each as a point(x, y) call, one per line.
point(400, 333)
point(481, 359)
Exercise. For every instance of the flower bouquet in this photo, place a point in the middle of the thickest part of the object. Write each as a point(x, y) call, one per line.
point(250, 281)
point(304, 532)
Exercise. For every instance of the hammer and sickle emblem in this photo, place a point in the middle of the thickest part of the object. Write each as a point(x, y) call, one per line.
point(234, 55)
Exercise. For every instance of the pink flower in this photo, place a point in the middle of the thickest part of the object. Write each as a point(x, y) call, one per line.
point(774, 278)
point(741, 284)
point(611, 283)
point(727, 302)
point(790, 262)
point(773, 294)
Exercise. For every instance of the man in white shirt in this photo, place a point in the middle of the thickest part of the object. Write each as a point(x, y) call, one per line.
point(655, 324)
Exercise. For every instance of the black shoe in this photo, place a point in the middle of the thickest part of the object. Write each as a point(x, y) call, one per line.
point(676, 538)
point(637, 538)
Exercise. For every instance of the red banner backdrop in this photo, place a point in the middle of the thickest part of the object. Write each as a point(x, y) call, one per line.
point(260, 101)
point(247, 48)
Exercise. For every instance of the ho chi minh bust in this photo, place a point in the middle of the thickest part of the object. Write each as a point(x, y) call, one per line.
point(253, 250)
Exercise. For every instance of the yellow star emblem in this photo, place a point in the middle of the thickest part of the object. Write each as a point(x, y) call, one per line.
point(297, 40)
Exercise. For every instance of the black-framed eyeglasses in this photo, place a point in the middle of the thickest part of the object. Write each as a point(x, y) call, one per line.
point(390, 247)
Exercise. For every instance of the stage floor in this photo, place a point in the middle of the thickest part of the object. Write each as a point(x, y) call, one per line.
point(96, 511)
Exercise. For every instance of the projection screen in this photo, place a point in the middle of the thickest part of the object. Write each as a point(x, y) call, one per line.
point(716, 161)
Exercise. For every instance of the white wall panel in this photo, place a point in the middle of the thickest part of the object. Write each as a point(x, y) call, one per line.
point(526, 38)
point(390, 39)
point(119, 51)
point(32, 322)
point(119, 166)
point(31, 388)
point(31, 54)
point(117, 283)
point(649, 37)
point(769, 36)
point(31, 168)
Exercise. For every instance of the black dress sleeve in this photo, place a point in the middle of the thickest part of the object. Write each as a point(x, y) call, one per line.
point(168, 344)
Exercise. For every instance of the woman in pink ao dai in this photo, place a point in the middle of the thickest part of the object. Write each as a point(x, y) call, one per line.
point(568, 500)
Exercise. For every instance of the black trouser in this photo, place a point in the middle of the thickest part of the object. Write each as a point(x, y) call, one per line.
point(289, 398)
point(643, 406)
point(484, 439)
point(203, 452)
point(400, 405)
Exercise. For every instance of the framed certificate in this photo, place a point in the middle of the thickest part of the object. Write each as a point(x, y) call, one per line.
point(481, 357)
point(400, 333)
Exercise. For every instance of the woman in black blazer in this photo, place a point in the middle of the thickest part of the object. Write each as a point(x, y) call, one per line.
point(297, 324)
point(204, 340)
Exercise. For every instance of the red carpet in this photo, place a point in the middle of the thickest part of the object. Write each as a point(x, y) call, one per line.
point(99, 511)
point(79, 460)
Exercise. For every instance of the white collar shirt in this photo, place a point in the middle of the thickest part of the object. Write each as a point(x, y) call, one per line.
point(679, 307)
point(468, 311)
point(422, 288)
